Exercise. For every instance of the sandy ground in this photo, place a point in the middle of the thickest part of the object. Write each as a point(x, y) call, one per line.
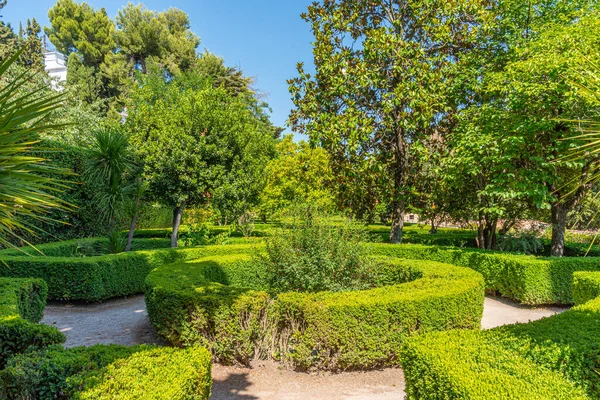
point(124, 321)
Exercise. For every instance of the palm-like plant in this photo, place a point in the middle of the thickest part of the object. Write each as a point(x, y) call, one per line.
point(109, 160)
point(27, 192)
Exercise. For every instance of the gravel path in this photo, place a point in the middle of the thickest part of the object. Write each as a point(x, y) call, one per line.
point(125, 321)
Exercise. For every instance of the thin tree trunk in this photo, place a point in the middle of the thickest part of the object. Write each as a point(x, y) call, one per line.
point(480, 231)
point(397, 222)
point(177, 214)
point(133, 223)
point(559, 223)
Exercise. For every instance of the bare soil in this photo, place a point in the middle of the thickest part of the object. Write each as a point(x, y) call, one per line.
point(125, 321)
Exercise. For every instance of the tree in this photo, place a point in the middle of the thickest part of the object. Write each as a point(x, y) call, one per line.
point(32, 55)
point(530, 99)
point(189, 136)
point(230, 78)
point(384, 75)
point(80, 28)
point(300, 174)
point(165, 36)
point(26, 192)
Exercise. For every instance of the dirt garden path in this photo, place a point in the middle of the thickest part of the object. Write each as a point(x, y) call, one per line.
point(124, 321)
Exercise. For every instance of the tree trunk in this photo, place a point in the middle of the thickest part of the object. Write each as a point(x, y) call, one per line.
point(177, 214)
point(133, 223)
point(486, 232)
point(559, 223)
point(397, 222)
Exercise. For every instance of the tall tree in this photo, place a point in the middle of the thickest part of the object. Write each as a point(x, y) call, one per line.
point(32, 55)
point(80, 28)
point(165, 36)
point(384, 73)
point(190, 138)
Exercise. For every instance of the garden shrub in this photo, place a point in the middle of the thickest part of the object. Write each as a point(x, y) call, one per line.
point(556, 357)
point(108, 372)
point(526, 279)
point(312, 256)
point(586, 286)
point(22, 303)
point(103, 277)
point(224, 303)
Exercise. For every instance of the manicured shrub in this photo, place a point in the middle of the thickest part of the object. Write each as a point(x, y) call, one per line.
point(586, 286)
point(526, 279)
point(552, 358)
point(22, 303)
point(103, 277)
point(108, 372)
point(224, 303)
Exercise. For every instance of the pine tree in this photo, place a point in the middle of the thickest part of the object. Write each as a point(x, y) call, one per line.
point(33, 56)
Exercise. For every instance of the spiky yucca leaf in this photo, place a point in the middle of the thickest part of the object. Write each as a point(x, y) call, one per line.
point(27, 193)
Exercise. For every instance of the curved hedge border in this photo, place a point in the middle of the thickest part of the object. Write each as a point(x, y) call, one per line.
point(526, 279)
point(108, 373)
point(103, 277)
point(553, 358)
point(217, 302)
point(22, 303)
point(586, 286)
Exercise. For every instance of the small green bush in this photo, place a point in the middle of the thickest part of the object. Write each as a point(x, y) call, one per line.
point(108, 372)
point(586, 286)
point(313, 256)
point(224, 303)
point(22, 303)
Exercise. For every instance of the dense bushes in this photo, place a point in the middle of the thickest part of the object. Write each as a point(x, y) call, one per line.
point(224, 303)
point(22, 303)
point(103, 277)
point(108, 372)
point(514, 360)
point(527, 279)
point(312, 256)
point(586, 286)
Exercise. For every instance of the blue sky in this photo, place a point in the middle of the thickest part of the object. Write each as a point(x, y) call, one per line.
point(266, 38)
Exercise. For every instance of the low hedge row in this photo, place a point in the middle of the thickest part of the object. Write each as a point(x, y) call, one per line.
point(108, 373)
point(22, 303)
point(222, 303)
point(100, 278)
point(527, 279)
point(553, 358)
point(586, 286)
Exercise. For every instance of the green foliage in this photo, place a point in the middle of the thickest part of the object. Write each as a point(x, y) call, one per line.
point(525, 242)
point(313, 256)
point(298, 175)
point(202, 235)
point(22, 303)
point(526, 279)
point(586, 286)
point(555, 357)
point(27, 193)
point(108, 372)
point(220, 301)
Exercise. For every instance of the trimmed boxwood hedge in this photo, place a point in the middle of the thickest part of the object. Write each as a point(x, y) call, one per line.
point(553, 358)
point(586, 286)
point(108, 372)
point(104, 277)
point(22, 303)
point(526, 279)
point(220, 302)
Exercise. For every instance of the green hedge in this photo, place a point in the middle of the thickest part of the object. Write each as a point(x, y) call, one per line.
point(108, 372)
point(22, 303)
point(553, 358)
point(526, 279)
point(220, 302)
point(586, 286)
point(99, 278)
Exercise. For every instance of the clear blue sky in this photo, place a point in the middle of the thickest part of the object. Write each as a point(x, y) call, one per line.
point(266, 38)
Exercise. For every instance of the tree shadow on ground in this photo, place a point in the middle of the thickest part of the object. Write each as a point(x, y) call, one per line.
point(231, 387)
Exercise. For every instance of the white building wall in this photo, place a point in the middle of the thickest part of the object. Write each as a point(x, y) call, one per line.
point(56, 68)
